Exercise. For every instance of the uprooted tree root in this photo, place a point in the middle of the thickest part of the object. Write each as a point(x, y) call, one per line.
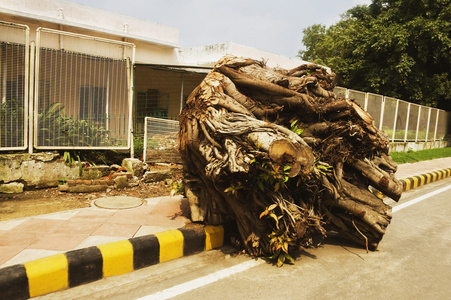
point(278, 153)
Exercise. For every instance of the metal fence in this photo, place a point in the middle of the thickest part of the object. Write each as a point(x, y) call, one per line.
point(83, 91)
point(159, 134)
point(14, 81)
point(402, 121)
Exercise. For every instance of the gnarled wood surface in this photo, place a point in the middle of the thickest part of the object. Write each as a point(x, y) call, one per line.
point(278, 153)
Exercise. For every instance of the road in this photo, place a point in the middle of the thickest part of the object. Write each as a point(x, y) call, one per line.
point(413, 262)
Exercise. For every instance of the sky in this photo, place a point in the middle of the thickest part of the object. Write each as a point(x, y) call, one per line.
point(273, 26)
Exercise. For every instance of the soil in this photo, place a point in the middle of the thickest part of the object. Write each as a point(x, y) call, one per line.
point(45, 201)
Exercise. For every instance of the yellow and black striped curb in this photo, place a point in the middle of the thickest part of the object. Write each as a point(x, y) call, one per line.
point(77, 267)
point(419, 180)
point(416, 181)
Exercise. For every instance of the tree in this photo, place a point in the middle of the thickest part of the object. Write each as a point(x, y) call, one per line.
point(396, 48)
point(278, 154)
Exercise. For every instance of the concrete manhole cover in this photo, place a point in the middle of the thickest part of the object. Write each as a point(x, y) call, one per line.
point(118, 202)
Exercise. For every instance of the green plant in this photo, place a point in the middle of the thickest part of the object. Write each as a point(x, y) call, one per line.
point(62, 181)
point(68, 159)
point(271, 175)
point(233, 189)
point(278, 239)
point(178, 188)
point(55, 128)
point(279, 243)
point(138, 145)
point(295, 128)
point(12, 123)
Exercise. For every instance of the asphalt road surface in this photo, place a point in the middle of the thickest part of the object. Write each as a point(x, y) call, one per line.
point(413, 262)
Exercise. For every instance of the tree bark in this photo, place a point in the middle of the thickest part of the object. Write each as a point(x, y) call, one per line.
point(279, 154)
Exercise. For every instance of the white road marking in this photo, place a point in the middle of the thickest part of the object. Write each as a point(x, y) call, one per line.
point(202, 281)
point(421, 198)
point(218, 275)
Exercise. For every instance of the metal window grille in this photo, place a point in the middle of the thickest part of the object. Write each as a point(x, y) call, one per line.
point(159, 134)
point(83, 91)
point(14, 78)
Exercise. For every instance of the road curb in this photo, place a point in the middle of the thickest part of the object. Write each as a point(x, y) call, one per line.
point(77, 267)
point(413, 182)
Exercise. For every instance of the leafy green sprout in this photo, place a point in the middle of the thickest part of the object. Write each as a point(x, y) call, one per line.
point(233, 189)
point(178, 188)
point(295, 128)
point(273, 176)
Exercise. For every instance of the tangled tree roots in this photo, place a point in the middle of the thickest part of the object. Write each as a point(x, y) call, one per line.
point(277, 152)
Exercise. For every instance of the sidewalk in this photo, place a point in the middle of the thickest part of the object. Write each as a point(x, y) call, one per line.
point(422, 167)
point(31, 238)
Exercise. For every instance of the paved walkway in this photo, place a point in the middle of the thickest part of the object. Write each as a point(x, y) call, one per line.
point(31, 238)
point(422, 167)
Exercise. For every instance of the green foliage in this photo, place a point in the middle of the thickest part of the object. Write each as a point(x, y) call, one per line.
point(279, 243)
point(295, 128)
point(12, 122)
point(278, 239)
point(178, 188)
point(271, 175)
point(415, 156)
point(396, 48)
point(57, 129)
point(138, 145)
point(68, 159)
point(233, 189)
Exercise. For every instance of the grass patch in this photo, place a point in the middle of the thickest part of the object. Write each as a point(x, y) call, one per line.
point(414, 156)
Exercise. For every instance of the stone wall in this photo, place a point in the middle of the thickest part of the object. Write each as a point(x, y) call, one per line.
point(29, 171)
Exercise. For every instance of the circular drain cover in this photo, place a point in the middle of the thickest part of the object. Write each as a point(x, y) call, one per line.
point(118, 202)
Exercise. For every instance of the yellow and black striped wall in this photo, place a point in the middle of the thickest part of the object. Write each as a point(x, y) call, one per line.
point(66, 270)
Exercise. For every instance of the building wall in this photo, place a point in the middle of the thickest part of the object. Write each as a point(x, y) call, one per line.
point(210, 54)
point(156, 43)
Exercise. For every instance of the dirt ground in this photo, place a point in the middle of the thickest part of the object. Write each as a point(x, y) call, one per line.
point(44, 201)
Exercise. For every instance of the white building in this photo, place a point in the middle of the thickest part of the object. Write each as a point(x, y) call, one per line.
point(108, 69)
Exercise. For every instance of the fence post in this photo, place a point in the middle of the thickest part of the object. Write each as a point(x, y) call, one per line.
point(436, 124)
point(407, 122)
point(418, 123)
point(181, 93)
point(366, 102)
point(396, 119)
point(427, 127)
point(131, 88)
point(36, 86)
point(145, 140)
point(31, 98)
point(381, 120)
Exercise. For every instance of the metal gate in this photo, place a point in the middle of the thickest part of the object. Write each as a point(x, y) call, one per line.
point(83, 91)
point(14, 81)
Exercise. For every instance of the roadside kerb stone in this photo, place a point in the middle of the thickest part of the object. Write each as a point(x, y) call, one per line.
point(77, 267)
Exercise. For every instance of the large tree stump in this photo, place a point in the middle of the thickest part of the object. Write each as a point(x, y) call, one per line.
point(278, 153)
